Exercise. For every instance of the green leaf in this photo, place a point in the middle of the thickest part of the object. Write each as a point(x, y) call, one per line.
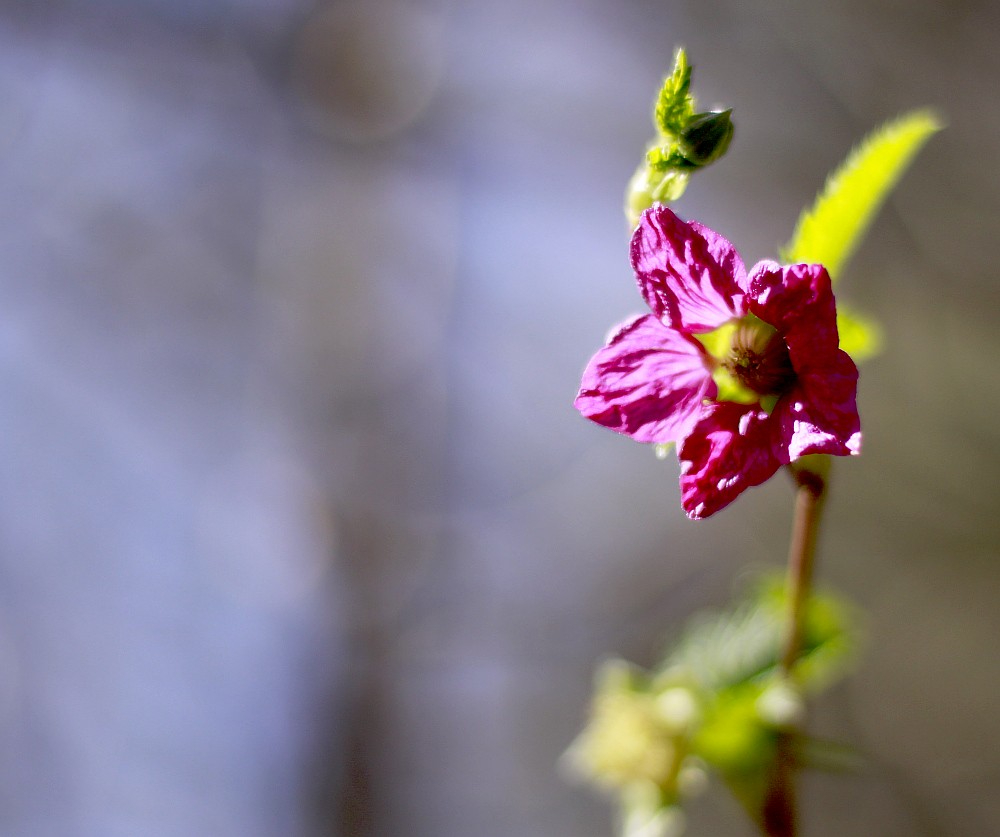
point(729, 649)
point(732, 738)
point(721, 650)
point(829, 232)
point(675, 105)
point(860, 336)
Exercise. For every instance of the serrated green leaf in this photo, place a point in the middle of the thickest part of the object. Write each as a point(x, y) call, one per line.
point(720, 650)
point(724, 650)
point(829, 232)
point(674, 104)
point(860, 336)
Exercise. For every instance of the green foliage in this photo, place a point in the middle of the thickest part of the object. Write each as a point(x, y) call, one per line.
point(649, 186)
point(743, 645)
point(719, 700)
point(734, 738)
point(829, 232)
point(746, 700)
point(674, 104)
point(860, 336)
point(685, 142)
point(662, 158)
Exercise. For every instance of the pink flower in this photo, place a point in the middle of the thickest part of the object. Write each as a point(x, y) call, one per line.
point(742, 371)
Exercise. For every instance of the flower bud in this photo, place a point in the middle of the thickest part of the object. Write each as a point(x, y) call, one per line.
point(706, 137)
point(781, 706)
point(645, 815)
point(677, 709)
point(625, 741)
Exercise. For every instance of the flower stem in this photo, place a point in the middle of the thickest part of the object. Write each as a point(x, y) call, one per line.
point(811, 483)
point(779, 814)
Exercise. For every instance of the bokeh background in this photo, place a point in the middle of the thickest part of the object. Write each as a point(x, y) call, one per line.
point(299, 532)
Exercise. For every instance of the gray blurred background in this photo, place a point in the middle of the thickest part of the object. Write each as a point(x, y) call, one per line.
point(299, 532)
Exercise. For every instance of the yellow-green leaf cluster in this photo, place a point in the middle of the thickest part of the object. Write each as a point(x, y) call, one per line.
point(674, 104)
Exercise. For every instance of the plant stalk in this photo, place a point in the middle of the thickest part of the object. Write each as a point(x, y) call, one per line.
point(779, 814)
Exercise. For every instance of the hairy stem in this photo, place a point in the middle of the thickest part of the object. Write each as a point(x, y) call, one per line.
point(779, 814)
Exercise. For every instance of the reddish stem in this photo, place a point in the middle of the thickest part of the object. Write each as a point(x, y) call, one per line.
point(779, 814)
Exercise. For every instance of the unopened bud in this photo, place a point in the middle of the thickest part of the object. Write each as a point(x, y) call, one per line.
point(706, 137)
point(641, 821)
point(781, 706)
point(677, 708)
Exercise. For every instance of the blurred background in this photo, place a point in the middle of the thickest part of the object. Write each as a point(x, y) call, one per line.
point(299, 531)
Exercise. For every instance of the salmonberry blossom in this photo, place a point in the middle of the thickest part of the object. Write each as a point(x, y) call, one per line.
point(742, 371)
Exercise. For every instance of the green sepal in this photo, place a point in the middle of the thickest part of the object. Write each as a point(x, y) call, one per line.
point(832, 228)
point(661, 158)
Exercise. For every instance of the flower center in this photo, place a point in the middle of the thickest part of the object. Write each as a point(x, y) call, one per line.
point(758, 358)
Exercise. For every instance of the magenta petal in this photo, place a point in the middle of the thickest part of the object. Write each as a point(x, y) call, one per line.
point(731, 449)
point(820, 415)
point(798, 301)
point(649, 382)
point(691, 277)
